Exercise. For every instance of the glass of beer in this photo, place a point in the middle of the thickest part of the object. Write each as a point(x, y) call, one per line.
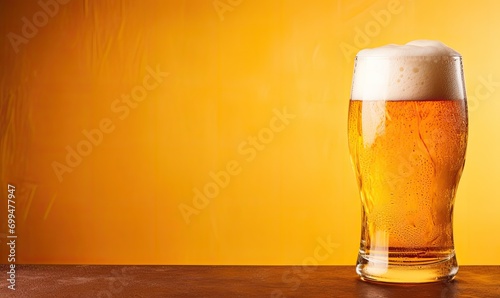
point(407, 140)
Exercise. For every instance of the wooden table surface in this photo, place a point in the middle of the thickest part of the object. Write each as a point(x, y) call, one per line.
point(232, 281)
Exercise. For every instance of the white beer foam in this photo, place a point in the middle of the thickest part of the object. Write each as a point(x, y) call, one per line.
point(418, 70)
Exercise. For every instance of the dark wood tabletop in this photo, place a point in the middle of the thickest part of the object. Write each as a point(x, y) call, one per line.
point(232, 281)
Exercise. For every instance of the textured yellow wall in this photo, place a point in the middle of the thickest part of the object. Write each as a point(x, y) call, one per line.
point(214, 132)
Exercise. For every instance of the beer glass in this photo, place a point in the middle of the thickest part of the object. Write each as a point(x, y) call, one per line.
point(407, 131)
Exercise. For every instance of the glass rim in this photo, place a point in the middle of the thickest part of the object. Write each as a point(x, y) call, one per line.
point(439, 57)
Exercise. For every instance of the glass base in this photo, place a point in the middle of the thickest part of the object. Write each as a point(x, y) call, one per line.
point(406, 272)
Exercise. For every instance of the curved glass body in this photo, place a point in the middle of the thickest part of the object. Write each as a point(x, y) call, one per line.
point(408, 155)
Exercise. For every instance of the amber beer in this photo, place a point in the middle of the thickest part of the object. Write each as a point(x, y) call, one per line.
point(407, 139)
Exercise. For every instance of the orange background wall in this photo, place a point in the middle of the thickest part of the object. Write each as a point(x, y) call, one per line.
point(248, 106)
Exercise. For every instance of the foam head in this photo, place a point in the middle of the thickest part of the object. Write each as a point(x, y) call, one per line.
point(418, 70)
